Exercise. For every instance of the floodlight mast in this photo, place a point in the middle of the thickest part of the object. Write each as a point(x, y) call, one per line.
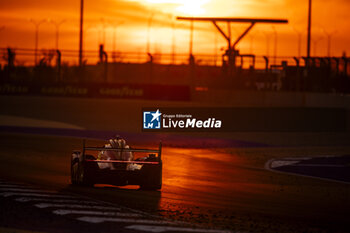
point(231, 52)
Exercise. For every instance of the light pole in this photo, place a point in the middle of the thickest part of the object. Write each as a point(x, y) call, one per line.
point(251, 43)
point(267, 35)
point(57, 25)
point(191, 39)
point(37, 24)
point(275, 45)
point(215, 47)
point(329, 40)
point(309, 31)
point(81, 33)
point(149, 32)
point(299, 33)
point(314, 43)
point(86, 29)
point(173, 50)
point(103, 22)
point(115, 28)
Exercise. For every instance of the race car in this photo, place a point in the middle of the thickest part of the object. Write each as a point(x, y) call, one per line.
point(117, 165)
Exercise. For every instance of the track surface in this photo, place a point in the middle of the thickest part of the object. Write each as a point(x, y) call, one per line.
point(204, 187)
point(227, 189)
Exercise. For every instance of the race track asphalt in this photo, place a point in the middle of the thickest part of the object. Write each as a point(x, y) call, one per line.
point(223, 188)
point(217, 190)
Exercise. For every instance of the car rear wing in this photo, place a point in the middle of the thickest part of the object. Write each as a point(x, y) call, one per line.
point(159, 152)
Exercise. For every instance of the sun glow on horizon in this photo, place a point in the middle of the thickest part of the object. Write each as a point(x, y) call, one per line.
point(193, 7)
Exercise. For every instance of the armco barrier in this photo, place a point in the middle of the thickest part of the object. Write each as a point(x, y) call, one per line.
point(123, 91)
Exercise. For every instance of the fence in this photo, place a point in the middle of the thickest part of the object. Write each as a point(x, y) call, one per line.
point(318, 74)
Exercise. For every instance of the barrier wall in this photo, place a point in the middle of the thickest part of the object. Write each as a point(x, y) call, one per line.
point(235, 98)
point(253, 111)
point(119, 91)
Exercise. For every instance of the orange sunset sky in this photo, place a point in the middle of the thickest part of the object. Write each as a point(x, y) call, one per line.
point(102, 17)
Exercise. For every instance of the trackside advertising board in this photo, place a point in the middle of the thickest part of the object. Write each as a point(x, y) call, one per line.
point(122, 91)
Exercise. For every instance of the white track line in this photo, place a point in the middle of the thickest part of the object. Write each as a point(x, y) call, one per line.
point(9, 194)
point(122, 220)
point(76, 206)
point(75, 201)
point(26, 194)
point(87, 212)
point(317, 165)
point(28, 190)
point(281, 163)
point(269, 168)
point(169, 228)
point(148, 215)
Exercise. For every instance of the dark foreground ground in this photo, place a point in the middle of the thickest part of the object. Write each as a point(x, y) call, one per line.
point(227, 189)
